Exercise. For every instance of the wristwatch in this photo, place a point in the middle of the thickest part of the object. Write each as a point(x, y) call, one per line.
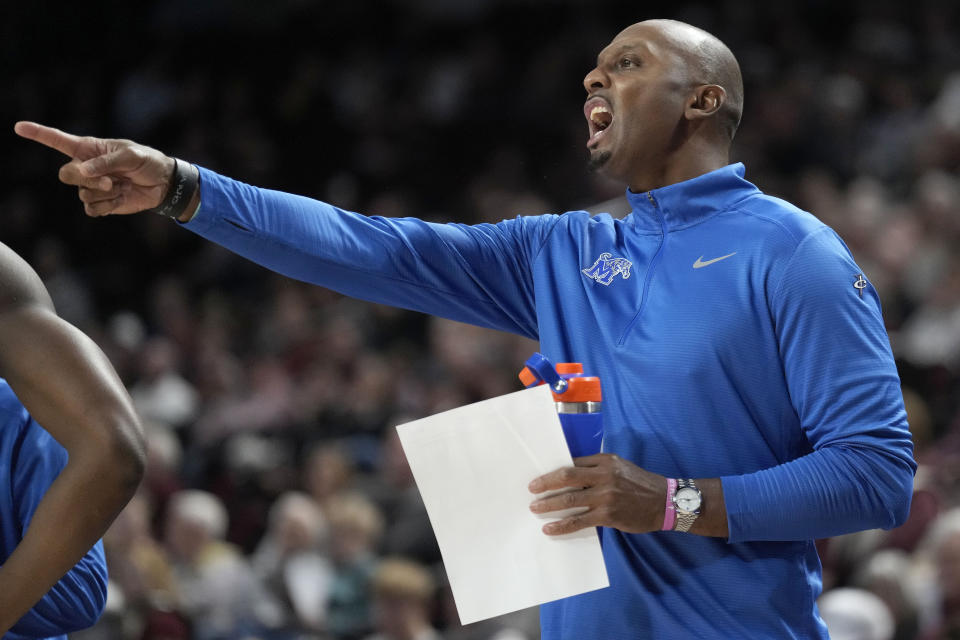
point(687, 501)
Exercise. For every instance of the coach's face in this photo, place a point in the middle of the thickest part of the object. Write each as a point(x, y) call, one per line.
point(635, 102)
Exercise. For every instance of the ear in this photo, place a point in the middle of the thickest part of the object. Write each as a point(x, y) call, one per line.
point(705, 101)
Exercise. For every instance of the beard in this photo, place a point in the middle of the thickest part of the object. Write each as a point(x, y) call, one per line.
point(597, 160)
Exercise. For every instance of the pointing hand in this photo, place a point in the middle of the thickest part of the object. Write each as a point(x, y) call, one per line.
point(113, 176)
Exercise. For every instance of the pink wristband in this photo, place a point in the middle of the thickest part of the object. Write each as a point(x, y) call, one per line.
point(670, 511)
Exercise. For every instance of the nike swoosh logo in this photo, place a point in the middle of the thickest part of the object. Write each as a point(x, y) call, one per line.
point(699, 264)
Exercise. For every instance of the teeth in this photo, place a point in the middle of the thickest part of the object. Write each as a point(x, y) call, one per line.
point(601, 116)
point(596, 110)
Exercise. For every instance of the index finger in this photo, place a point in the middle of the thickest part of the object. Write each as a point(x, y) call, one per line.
point(590, 461)
point(562, 478)
point(64, 142)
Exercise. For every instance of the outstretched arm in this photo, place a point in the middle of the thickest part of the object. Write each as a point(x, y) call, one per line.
point(68, 386)
point(481, 274)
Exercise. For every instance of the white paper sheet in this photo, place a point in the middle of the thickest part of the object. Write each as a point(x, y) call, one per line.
point(472, 466)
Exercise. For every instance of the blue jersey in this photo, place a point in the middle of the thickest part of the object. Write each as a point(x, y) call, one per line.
point(735, 337)
point(30, 460)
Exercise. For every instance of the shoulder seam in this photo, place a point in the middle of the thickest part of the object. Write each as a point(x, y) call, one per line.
point(785, 228)
point(546, 237)
point(796, 249)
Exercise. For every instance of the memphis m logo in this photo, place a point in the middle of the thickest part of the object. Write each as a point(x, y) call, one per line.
point(606, 267)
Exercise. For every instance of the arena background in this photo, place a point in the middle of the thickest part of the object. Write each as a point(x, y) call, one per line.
point(254, 386)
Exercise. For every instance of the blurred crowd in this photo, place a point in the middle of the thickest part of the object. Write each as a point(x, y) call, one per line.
point(278, 503)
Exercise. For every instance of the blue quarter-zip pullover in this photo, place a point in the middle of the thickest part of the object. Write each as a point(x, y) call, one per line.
point(735, 337)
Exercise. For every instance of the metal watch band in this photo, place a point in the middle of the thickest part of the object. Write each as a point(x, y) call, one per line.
point(685, 519)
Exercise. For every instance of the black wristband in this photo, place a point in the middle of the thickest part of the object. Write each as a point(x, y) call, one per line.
point(183, 184)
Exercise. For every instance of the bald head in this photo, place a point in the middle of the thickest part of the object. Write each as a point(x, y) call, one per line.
point(663, 104)
point(708, 61)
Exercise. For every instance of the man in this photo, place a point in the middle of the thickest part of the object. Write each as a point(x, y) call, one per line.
point(54, 508)
point(750, 394)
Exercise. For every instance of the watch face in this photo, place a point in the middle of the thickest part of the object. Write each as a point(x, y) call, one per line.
point(687, 499)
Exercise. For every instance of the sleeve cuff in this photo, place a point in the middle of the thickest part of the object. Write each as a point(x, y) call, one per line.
point(733, 500)
point(205, 216)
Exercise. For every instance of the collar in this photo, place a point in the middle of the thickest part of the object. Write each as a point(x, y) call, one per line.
point(686, 203)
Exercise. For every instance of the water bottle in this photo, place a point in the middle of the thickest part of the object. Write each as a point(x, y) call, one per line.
point(578, 400)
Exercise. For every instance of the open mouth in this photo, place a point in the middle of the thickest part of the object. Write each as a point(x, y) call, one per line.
point(599, 115)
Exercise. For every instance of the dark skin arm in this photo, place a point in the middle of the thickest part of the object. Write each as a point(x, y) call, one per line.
point(69, 387)
point(621, 495)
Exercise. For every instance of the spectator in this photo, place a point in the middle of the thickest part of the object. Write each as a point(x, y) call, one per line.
point(219, 592)
point(408, 531)
point(355, 529)
point(291, 563)
point(328, 471)
point(855, 614)
point(943, 545)
point(888, 575)
point(139, 565)
point(403, 594)
point(161, 394)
